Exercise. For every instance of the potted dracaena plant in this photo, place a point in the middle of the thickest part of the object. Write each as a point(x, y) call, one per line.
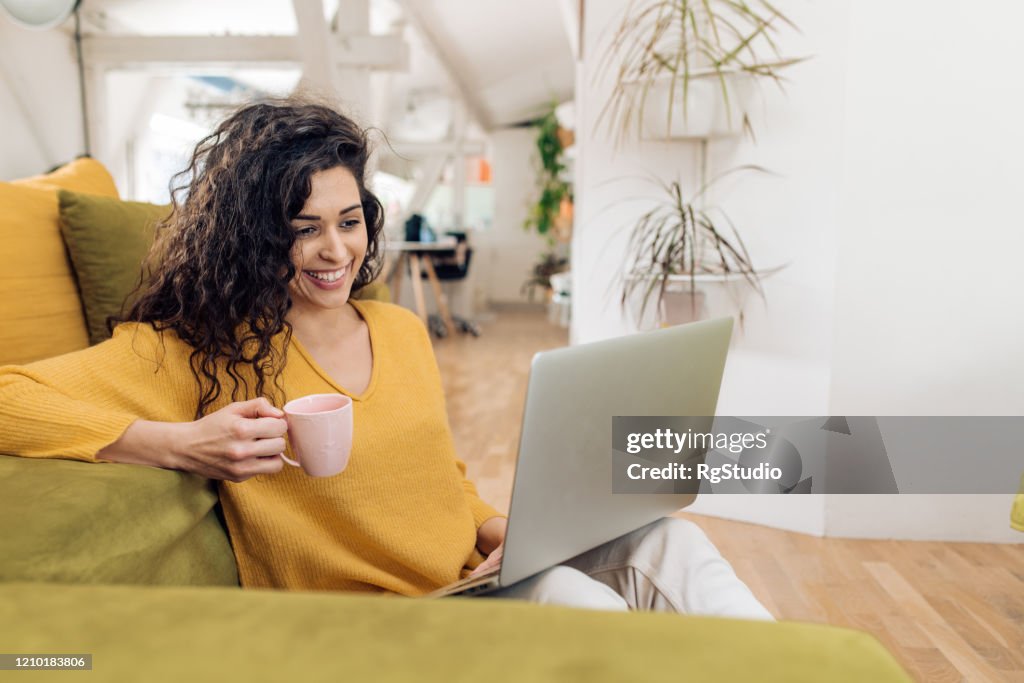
point(677, 245)
point(685, 68)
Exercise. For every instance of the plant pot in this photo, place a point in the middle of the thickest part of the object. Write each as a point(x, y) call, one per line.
point(707, 113)
point(681, 307)
point(713, 295)
point(562, 226)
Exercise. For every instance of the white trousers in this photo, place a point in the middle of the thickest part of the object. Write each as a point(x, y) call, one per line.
point(669, 565)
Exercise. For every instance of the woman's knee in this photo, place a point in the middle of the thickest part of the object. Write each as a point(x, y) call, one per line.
point(561, 585)
point(679, 532)
point(677, 541)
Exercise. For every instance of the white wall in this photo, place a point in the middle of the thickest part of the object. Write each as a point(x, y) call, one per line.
point(779, 364)
point(929, 273)
point(896, 159)
point(40, 120)
point(928, 310)
point(506, 253)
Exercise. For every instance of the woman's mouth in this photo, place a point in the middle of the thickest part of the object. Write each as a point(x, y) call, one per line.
point(328, 279)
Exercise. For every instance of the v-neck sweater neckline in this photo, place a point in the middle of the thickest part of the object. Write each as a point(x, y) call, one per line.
point(371, 327)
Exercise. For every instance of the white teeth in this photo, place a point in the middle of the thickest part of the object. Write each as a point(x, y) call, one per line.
point(328, 277)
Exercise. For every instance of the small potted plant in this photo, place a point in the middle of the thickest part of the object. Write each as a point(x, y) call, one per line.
point(676, 246)
point(684, 68)
point(549, 263)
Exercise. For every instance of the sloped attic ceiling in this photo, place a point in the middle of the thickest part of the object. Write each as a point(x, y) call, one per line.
point(512, 58)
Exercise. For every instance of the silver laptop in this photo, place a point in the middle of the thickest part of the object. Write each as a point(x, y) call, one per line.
point(562, 501)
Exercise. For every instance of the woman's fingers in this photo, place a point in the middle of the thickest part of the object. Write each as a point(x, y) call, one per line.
point(238, 472)
point(270, 464)
point(239, 441)
point(484, 566)
point(258, 427)
point(257, 407)
point(493, 560)
point(267, 447)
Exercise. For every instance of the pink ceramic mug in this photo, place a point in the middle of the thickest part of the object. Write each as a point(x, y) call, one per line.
point(320, 433)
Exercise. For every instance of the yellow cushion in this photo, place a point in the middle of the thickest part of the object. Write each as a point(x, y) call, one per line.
point(81, 175)
point(40, 310)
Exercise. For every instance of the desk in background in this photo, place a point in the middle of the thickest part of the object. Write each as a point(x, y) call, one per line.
point(416, 257)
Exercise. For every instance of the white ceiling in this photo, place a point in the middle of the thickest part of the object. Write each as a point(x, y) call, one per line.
point(512, 57)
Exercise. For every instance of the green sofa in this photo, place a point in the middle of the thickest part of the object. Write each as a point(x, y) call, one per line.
point(216, 634)
point(133, 565)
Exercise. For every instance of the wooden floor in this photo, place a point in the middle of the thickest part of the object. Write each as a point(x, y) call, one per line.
point(947, 611)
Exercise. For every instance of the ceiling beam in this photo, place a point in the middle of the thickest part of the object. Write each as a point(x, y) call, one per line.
point(376, 52)
point(447, 147)
point(316, 47)
point(431, 170)
point(353, 82)
point(450, 62)
point(570, 10)
point(351, 18)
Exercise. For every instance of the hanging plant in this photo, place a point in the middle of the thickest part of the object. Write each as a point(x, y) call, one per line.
point(663, 49)
point(554, 189)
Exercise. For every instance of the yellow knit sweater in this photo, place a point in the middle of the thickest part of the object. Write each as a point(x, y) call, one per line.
point(401, 518)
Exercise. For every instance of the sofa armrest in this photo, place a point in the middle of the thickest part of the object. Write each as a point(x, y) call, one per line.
point(76, 522)
point(217, 634)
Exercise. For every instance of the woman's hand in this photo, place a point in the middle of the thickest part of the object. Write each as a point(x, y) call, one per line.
point(493, 560)
point(237, 442)
point(490, 541)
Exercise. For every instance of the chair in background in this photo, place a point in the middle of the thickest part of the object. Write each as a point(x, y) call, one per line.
point(452, 265)
point(560, 307)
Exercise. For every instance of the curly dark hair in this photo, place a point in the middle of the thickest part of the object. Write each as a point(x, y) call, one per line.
point(219, 269)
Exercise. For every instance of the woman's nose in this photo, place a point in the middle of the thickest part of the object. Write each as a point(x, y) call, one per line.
point(333, 247)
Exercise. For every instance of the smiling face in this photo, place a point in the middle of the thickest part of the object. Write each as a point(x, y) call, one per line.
point(330, 242)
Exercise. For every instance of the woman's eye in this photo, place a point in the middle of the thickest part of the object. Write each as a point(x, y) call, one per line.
point(305, 232)
point(349, 224)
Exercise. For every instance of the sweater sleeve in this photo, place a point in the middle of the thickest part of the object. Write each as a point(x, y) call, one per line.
point(482, 511)
point(71, 406)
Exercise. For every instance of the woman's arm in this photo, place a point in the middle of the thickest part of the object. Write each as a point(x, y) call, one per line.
point(131, 399)
point(491, 534)
point(237, 442)
point(490, 541)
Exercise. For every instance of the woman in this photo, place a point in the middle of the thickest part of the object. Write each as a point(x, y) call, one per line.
point(248, 305)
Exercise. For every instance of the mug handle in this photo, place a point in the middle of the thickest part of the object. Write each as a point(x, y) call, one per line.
point(289, 460)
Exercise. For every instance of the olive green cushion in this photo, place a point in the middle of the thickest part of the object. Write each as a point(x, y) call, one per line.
point(107, 240)
point(377, 290)
point(220, 634)
point(79, 522)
